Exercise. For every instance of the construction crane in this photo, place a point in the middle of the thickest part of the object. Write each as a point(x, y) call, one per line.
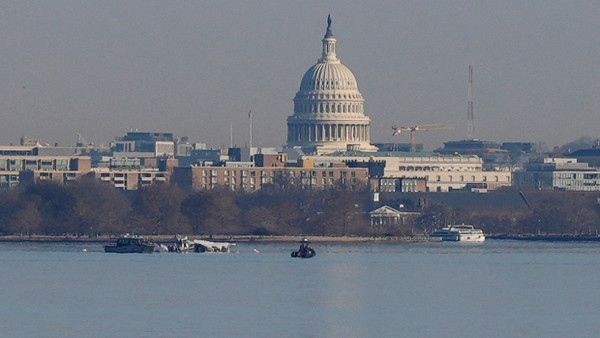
point(413, 131)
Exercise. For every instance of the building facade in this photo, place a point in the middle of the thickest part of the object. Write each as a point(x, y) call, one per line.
point(397, 184)
point(17, 169)
point(250, 178)
point(130, 179)
point(442, 172)
point(144, 144)
point(387, 217)
point(558, 174)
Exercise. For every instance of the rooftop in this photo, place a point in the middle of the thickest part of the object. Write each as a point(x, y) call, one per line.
point(395, 154)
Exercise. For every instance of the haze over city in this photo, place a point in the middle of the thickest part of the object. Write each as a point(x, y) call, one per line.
point(192, 68)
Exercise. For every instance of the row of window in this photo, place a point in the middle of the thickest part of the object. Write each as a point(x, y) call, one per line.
point(575, 176)
point(574, 183)
point(434, 168)
point(305, 182)
point(264, 173)
point(331, 96)
point(462, 179)
point(33, 164)
point(9, 178)
point(328, 108)
point(333, 85)
point(578, 187)
point(243, 173)
point(233, 187)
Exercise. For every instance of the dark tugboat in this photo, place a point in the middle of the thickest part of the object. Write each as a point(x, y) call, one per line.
point(305, 250)
point(130, 245)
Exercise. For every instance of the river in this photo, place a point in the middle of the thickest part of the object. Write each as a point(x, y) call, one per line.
point(500, 288)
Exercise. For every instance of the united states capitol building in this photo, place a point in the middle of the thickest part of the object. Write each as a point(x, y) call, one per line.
point(330, 126)
point(329, 110)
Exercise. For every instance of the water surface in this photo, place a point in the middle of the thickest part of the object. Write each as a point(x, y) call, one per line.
point(496, 289)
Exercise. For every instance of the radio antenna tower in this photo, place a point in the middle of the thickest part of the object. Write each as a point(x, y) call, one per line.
point(230, 135)
point(470, 124)
point(250, 117)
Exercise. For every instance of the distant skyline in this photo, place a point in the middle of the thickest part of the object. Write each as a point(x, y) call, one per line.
point(191, 68)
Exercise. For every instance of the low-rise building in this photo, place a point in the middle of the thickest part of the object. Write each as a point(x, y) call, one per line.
point(388, 217)
point(130, 179)
point(19, 169)
point(558, 174)
point(590, 156)
point(442, 172)
point(144, 144)
point(396, 184)
point(250, 178)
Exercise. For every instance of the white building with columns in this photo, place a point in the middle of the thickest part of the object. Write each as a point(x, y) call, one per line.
point(329, 109)
point(442, 172)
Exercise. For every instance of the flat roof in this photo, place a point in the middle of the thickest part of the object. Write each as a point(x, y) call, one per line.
point(358, 153)
point(17, 147)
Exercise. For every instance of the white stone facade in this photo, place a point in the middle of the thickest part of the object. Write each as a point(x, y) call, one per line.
point(329, 108)
point(442, 172)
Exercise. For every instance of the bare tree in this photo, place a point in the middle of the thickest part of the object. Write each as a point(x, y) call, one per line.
point(27, 220)
point(99, 208)
point(213, 212)
point(343, 213)
point(157, 210)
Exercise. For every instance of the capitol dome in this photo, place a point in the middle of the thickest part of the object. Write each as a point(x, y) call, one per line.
point(328, 107)
point(328, 75)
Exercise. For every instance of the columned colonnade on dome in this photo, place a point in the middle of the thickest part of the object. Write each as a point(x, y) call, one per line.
point(317, 132)
point(300, 108)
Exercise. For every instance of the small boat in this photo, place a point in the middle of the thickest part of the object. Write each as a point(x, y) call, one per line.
point(130, 245)
point(459, 233)
point(306, 254)
point(305, 251)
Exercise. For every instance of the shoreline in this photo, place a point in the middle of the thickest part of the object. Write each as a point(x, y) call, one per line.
point(548, 238)
point(216, 238)
point(288, 238)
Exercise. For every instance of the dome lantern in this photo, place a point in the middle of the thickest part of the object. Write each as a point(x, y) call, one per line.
point(329, 45)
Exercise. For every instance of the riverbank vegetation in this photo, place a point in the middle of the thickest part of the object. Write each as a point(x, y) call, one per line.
point(88, 207)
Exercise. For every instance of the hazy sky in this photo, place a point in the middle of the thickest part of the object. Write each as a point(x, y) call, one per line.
point(100, 68)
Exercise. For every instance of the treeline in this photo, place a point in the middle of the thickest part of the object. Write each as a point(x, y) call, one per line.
point(548, 213)
point(89, 207)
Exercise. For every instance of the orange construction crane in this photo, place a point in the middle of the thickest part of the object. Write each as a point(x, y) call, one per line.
point(413, 132)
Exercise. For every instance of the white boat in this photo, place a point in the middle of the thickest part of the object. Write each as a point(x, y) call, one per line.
point(456, 233)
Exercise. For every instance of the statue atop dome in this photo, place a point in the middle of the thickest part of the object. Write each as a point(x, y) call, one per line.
point(328, 34)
